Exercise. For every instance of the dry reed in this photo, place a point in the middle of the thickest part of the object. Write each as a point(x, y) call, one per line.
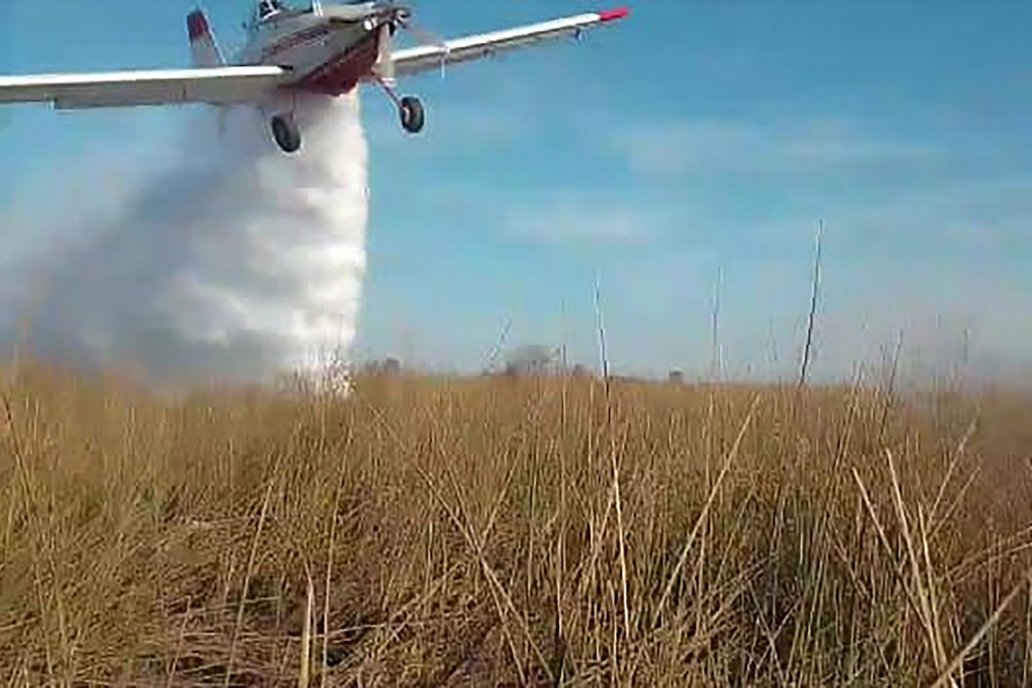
point(496, 531)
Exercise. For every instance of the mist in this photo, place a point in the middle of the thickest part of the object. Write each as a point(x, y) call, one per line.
point(231, 260)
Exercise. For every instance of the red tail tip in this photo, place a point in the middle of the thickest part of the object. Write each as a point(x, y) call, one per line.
point(613, 15)
point(196, 24)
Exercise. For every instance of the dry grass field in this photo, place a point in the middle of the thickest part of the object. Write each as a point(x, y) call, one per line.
point(536, 531)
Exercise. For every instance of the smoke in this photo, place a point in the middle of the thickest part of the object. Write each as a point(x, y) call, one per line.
point(233, 261)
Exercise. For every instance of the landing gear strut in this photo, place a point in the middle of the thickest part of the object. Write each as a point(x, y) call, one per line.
point(286, 133)
point(410, 109)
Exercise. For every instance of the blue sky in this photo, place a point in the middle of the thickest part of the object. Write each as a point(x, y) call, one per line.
point(695, 139)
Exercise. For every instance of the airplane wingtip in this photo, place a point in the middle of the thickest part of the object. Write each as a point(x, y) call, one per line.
point(614, 15)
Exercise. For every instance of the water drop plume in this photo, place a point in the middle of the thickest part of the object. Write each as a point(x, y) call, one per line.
point(232, 261)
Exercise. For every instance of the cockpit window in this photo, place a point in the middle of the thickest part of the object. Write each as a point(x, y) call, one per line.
point(268, 8)
point(266, 11)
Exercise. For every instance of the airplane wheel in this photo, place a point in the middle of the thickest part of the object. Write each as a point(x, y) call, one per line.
point(286, 133)
point(412, 116)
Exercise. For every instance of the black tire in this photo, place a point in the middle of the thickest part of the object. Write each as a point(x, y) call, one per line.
point(286, 133)
point(412, 116)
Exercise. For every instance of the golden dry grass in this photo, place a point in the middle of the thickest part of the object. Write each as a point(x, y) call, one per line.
point(505, 532)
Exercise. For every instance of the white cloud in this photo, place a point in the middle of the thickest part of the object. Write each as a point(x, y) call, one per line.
point(469, 115)
point(709, 145)
point(450, 126)
point(568, 221)
point(946, 220)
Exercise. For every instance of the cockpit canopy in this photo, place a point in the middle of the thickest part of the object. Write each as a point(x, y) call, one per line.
point(267, 9)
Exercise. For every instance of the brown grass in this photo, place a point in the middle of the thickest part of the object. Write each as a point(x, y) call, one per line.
point(506, 532)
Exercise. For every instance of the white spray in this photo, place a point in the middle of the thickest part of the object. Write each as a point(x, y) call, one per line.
point(236, 262)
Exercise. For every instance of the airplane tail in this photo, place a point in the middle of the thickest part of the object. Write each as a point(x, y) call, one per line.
point(203, 49)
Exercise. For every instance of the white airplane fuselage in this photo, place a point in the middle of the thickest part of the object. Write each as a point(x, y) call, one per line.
point(327, 54)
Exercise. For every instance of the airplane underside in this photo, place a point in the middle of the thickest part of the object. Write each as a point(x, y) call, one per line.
point(341, 76)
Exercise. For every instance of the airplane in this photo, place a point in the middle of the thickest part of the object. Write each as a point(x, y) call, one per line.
point(293, 50)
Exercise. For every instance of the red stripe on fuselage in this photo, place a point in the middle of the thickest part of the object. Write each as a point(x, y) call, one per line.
point(342, 73)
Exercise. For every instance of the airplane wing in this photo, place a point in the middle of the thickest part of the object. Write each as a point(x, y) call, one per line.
point(215, 85)
point(426, 57)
